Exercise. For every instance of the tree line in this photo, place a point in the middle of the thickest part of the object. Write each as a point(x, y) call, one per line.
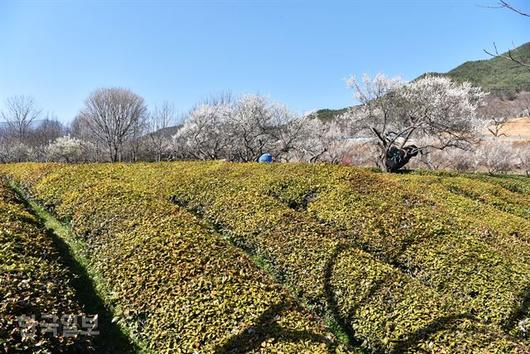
point(394, 123)
point(114, 125)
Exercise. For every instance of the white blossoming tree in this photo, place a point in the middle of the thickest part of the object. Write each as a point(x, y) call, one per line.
point(321, 141)
point(65, 149)
point(204, 134)
point(257, 126)
point(238, 130)
point(399, 115)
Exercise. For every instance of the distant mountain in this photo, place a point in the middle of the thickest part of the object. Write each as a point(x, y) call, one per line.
point(326, 115)
point(164, 132)
point(500, 76)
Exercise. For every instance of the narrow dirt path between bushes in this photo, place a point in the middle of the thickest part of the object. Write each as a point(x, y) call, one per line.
point(111, 339)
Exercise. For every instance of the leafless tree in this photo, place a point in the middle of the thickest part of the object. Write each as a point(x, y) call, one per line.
point(157, 141)
point(495, 117)
point(522, 105)
point(20, 112)
point(497, 124)
point(524, 159)
point(114, 116)
point(93, 149)
point(48, 130)
point(495, 157)
point(134, 142)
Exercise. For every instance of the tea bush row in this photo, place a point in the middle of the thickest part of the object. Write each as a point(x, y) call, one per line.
point(399, 263)
point(243, 201)
point(36, 295)
point(174, 283)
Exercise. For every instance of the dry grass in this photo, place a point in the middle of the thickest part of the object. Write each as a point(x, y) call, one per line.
point(518, 127)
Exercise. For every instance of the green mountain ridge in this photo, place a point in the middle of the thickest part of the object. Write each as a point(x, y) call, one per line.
point(499, 76)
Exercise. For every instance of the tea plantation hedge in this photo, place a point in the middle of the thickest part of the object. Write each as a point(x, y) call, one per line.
point(34, 286)
point(395, 263)
point(397, 226)
point(174, 283)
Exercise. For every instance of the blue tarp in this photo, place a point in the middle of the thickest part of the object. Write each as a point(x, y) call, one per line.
point(265, 158)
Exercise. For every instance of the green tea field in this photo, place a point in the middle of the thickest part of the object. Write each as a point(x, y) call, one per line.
point(218, 257)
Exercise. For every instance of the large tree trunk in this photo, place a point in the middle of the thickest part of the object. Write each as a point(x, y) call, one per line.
point(397, 158)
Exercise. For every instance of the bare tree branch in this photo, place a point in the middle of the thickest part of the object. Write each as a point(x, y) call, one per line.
point(506, 5)
point(509, 55)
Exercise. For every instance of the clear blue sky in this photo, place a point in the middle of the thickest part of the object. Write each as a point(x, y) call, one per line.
point(297, 52)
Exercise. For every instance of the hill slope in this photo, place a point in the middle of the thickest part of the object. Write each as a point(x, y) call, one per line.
point(496, 75)
point(499, 76)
